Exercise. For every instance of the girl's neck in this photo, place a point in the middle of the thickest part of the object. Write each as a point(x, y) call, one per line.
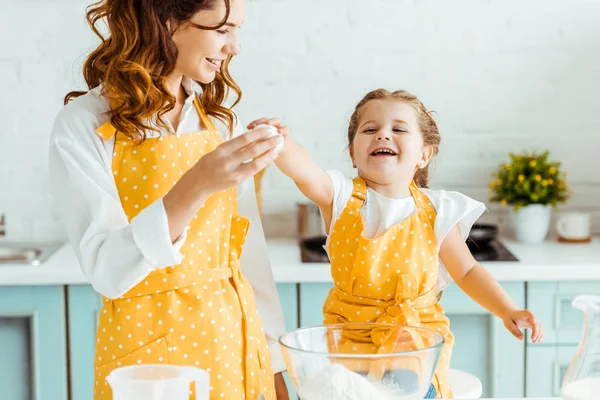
point(396, 190)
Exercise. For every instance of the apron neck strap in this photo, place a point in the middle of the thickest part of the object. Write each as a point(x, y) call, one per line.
point(203, 116)
point(359, 194)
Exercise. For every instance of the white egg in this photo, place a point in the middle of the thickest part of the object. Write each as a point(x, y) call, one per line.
point(272, 132)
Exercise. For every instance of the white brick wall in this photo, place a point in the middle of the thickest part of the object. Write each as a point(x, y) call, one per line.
point(502, 74)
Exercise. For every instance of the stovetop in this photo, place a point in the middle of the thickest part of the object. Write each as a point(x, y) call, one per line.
point(495, 251)
point(311, 250)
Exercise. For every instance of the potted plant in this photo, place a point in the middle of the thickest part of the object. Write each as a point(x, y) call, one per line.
point(531, 185)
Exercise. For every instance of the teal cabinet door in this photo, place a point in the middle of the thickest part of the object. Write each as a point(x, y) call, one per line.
point(312, 297)
point(483, 347)
point(547, 362)
point(33, 343)
point(288, 295)
point(84, 305)
point(546, 369)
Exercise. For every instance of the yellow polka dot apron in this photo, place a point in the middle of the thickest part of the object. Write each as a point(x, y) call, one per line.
point(388, 279)
point(201, 312)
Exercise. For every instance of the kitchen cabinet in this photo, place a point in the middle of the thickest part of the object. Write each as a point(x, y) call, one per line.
point(37, 322)
point(547, 362)
point(33, 343)
point(483, 347)
point(83, 307)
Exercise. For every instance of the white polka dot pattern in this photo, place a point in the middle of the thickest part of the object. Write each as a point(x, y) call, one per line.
point(201, 312)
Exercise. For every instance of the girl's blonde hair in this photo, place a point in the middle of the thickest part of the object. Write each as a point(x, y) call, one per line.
point(427, 125)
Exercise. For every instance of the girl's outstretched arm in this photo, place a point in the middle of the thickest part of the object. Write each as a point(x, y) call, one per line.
point(484, 289)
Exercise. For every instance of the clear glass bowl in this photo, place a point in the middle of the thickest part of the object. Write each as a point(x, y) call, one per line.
point(358, 361)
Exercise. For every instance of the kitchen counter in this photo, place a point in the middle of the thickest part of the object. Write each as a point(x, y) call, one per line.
point(549, 261)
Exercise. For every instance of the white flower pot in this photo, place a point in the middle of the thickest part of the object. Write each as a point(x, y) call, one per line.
point(531, 223)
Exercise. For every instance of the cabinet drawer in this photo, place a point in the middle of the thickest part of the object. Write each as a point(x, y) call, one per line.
point(551, 303)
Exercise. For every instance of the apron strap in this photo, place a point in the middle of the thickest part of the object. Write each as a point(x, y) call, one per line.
point(359, 195)
point(106, 131)
point(206, 121)
point(421, 200)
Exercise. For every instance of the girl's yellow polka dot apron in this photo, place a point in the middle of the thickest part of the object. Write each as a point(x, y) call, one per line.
point(388, 279)
point(201, 312)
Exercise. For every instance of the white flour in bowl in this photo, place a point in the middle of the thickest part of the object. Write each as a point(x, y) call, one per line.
point(339, 383)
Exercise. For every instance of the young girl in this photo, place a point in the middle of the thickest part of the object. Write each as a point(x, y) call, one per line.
point(152, 196)
point(386, 231)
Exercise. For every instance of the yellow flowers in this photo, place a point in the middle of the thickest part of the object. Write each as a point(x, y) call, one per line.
point(529, 178)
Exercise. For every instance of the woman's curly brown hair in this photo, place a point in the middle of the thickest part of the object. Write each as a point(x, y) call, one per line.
point(133, 62)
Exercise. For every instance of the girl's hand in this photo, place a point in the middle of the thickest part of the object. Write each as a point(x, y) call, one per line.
point(276, 122)
point(515, 320)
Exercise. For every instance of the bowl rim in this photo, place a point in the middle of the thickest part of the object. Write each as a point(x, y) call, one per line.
point(441, 343)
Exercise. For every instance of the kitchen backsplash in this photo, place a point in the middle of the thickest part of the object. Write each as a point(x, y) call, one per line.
point(502, 75)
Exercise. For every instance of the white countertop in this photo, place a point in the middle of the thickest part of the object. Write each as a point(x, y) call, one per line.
point(550, 261)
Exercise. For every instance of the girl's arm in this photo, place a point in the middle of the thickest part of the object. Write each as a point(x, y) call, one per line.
point(483, 288)
point(294, 161)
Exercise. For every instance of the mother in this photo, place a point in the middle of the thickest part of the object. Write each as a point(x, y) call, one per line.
point(149, 194)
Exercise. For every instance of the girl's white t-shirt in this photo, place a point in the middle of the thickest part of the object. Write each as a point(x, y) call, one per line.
point(380, 213)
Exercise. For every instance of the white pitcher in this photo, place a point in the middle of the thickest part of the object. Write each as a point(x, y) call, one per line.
point(158, 382)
